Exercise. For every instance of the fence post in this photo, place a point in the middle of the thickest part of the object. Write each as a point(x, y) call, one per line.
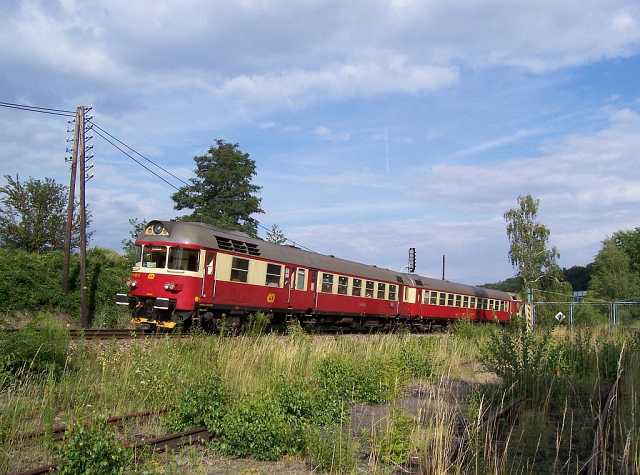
point(571, 314)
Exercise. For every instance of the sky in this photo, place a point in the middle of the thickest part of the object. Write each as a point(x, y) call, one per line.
point(375, 125)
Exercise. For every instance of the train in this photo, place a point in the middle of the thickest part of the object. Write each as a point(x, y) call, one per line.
point(191, 274)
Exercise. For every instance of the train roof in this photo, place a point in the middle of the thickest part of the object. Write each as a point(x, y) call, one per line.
point(213, 237)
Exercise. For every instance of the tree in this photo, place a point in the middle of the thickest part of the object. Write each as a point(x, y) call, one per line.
point(629, 242)
point(578, 276)
point(129, 244)
point(528, 252)
point(33, 215)
point(613, 277)
point(222, 194)
point(276, 235)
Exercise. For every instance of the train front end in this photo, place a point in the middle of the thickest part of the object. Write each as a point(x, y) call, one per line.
point(166, 280)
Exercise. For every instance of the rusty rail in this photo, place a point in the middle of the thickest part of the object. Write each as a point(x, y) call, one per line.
point(156, 444)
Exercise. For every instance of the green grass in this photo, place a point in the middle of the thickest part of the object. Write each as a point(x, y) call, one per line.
point(267, 396)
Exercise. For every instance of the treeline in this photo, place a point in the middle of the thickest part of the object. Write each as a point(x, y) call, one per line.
point(613, 275)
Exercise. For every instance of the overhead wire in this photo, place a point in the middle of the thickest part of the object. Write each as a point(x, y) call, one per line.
point(33, 109)
point(101, 132)
point(97, 126)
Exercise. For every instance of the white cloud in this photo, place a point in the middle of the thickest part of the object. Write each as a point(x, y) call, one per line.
point(332, 136)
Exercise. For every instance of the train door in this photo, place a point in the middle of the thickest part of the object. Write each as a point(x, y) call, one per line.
point(208, 283)
point(302, 289)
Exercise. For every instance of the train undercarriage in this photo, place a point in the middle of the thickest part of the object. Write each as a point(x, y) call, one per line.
point(155, 314)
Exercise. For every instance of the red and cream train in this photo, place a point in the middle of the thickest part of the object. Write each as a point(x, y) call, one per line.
point(191, 273)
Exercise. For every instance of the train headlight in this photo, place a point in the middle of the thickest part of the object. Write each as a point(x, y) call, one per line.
point(158, 228)
point(132, 284)
point(169, 286)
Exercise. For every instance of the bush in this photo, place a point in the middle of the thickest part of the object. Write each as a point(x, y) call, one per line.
point(39, 347)
point(332, 449)
point(91, 451)
point(415, 357)
point(523, 359)
point(341, 381)
point(258, 428)
point(394, 445)
point(33, 282)
point(204, 404)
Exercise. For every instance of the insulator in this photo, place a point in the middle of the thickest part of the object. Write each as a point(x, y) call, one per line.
point(72, 121)
point(89, 167)
point(69, 139)
point(89, 137)
point(88, 119)
point(87, 178)
point(88, 148)
point(68, 150)
point(89, 157)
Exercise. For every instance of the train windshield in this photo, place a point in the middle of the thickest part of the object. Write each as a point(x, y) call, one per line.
point(184, 259)
point(154, 257)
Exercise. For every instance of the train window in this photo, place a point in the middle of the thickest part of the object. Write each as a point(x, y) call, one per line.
point(450, 300)
point(392, 292)
point(273, 275)
point(443, 298)
point(472, 302)
point(368, 291)
point(458, 300)
point(300, 278)
point(327, 282)
point(154, 257)
point(138, 255)
point(184, 259)
point(381, 290)
point(356, 288)
point(485, 304)
point(343, 285)
point(434, 298)
point(239, 269)
point(425, 296)
point(465, 301)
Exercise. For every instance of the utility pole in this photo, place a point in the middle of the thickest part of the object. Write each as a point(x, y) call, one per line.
point(84, 310)
point(68, 231)
point(443, 265)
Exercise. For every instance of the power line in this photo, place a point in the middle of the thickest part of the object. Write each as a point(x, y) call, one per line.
point(29, 109)
point(139, 154)
point(37, 107)
point(137, 161)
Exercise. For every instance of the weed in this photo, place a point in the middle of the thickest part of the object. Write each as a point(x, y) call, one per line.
point(392, 442)
point(91, 450)
point(332, 449)
point(257, 324)
point(256, 427)
point(203, 404)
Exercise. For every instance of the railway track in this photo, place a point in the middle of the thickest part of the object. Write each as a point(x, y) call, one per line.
point(156, 444)
point(109, 333)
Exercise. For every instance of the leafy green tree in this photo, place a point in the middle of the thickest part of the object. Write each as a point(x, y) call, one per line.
point(578, 276)
point(629, 242)
point(129, 244)
point(222, 193)
point(613, 277)
point(33, 214)
point(529, 252)
point(276, 235)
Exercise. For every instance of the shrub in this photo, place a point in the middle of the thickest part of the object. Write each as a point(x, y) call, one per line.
point(256, 427)
point(39, 347)
point(394, 445)
point(91, 451)
point(203, 404)
point(332, 449)
point(415, 357)
point(523, 359)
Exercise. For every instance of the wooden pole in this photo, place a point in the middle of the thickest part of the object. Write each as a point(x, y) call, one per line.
point(68, 230)
point(84, 311)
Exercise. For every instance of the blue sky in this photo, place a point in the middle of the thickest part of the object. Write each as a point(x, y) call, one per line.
point(375, 125)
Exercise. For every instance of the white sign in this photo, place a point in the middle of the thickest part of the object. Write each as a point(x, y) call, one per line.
point(560, 316)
